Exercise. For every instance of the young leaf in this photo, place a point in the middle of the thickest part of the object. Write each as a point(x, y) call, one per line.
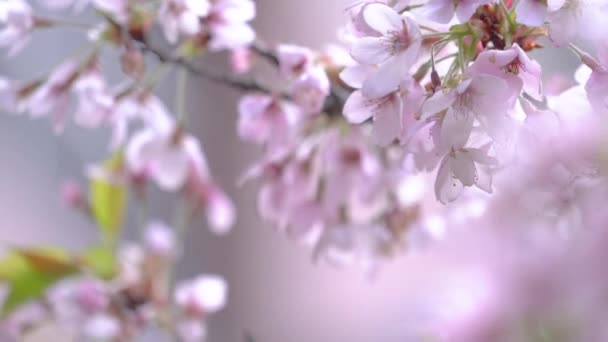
point(108, 198)
point(29, 272)
point(101, 260)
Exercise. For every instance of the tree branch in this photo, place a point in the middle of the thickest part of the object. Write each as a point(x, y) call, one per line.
point(227, 80)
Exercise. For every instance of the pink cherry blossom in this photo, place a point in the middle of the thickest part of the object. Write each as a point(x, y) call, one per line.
point(228, 24)
point(514, 66)
point(53, 96)
point(72, 194)
point(575, 19)
point(394, 49)
point(463, 167)
point(294, 60)
point(392, 113)
point(352, 171)
point(205, 294)
point(295, 211)
point(164, 156)
point(266, 120)
point(182, 17)
point(310, 90)
point(596, 85)
point(95, 102)
point(442, 11)
point(357, 25)
point(219, 209)
point(18, 21)
point(484, 97)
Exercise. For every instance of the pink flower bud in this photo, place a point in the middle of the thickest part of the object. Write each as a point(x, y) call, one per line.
point(71, 193)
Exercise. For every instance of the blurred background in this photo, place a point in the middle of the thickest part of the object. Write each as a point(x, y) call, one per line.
point(276, 293)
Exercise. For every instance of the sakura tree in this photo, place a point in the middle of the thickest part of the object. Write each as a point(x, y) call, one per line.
point(427, 129)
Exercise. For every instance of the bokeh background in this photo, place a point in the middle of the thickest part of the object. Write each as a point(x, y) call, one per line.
point(276, 293)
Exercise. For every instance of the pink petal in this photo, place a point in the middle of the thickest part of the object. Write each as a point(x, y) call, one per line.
point(220, 212)
point(447, 187)
point(465, 9)
point(354, 76)
point(438, 102)
point(389, 76)
point(531, 12)
point(170, 166)
point(370, 50)
point(455, 129)
point(357, 108)
point(387, 122)
point(463, 168)
point(440, 11)
point(231, 37)
point(383, 19)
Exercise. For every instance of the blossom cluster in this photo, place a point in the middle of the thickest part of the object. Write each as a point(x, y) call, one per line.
point(430, 127)
point(87, 308)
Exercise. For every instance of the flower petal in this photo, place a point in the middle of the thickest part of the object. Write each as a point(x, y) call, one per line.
point(357, 108)
point(370, 50)
point(382, 18)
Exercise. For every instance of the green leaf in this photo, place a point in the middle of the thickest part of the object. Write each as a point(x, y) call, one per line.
point(108, 198)
point(101, 260)
point(29, 272)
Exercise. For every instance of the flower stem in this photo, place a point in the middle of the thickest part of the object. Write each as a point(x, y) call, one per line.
point(180, 101)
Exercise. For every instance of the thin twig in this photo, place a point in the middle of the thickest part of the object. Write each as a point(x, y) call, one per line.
point(262, 50)
point(227, 80)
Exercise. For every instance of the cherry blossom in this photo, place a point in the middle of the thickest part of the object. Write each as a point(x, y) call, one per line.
point(428, 135)
point(394, 47)
point(203, 295)
point(165, 156)
point(182, 17)
point(484, 97)
point(228, 23)
point(391, 113)
point(310, 90)
point(514, 66)
point(463, 167)
point(18, 20)
point(95, 101)
point(596, 85)
point(294, 60)
point(266, 120)
point(572, 19)
point(53, 96)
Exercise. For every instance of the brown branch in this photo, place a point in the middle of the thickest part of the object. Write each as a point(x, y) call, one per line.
point(227, 80)
point(333, 104)
point(262, 50)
